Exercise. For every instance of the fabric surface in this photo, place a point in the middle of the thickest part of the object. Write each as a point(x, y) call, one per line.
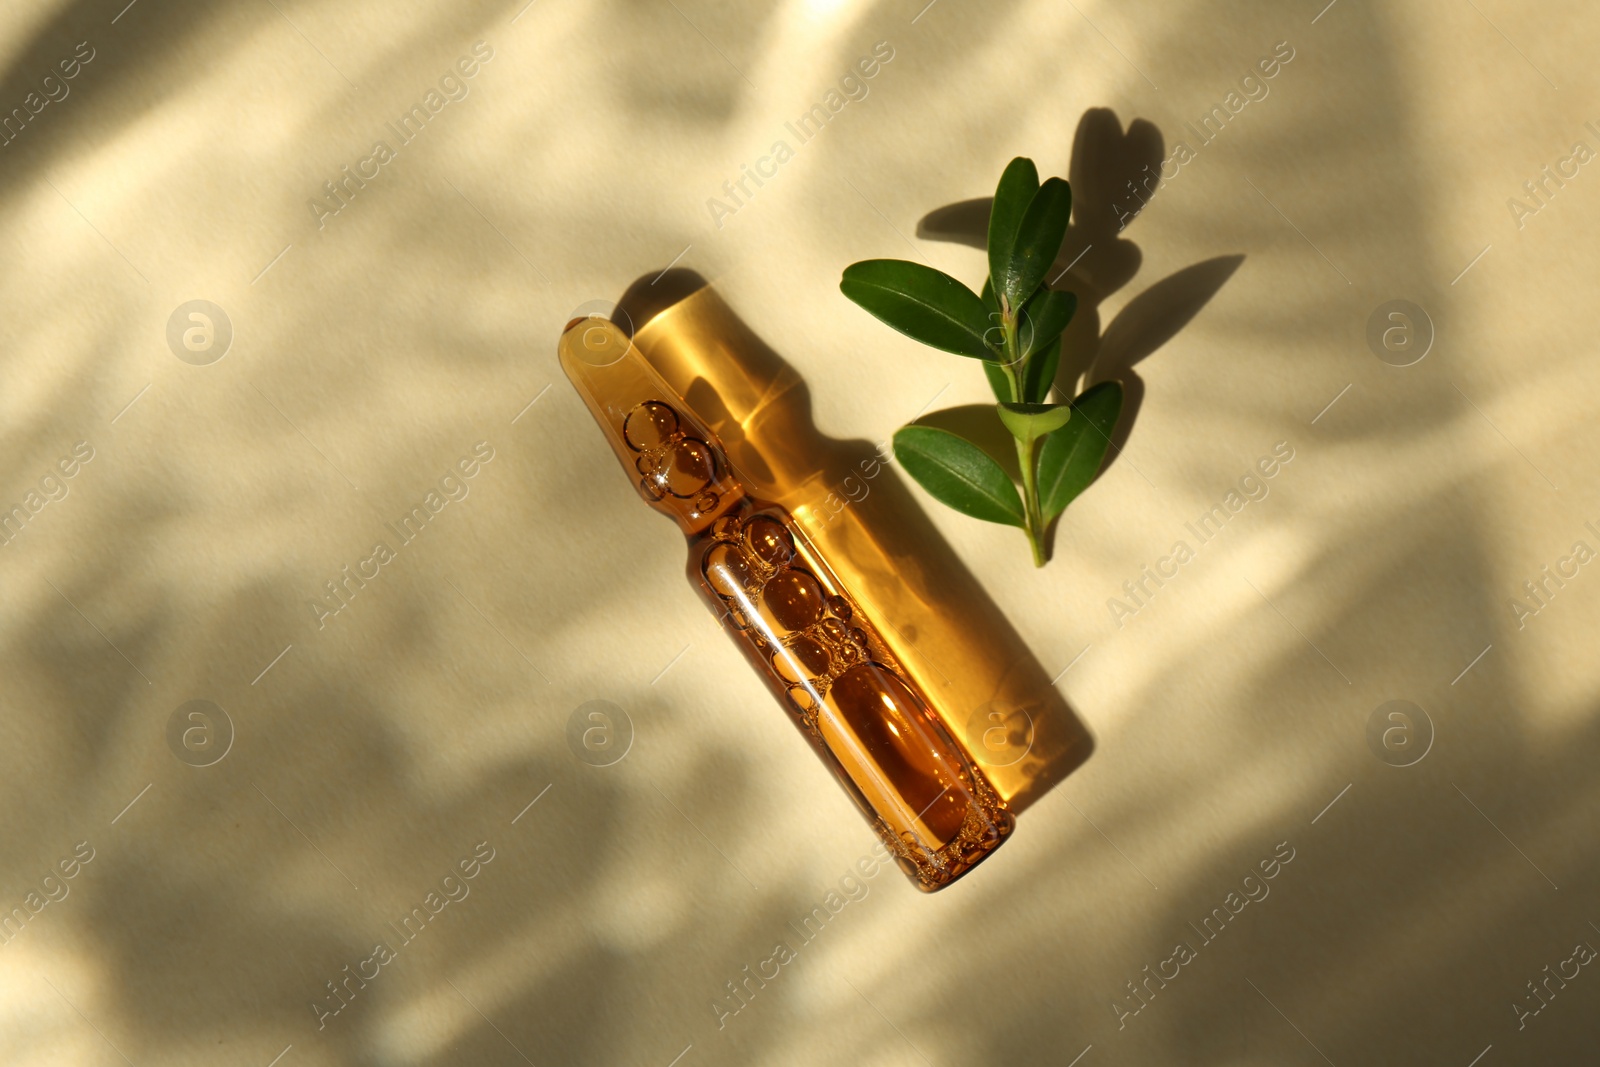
point(284, 433)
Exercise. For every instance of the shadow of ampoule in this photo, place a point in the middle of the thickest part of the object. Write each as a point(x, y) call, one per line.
point(990, 689)
point(1114, 175)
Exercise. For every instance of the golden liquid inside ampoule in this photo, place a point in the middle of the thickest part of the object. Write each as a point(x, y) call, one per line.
point(840, 683)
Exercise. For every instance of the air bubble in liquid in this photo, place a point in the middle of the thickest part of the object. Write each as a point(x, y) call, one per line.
point(650, 425)
point(811, 654)
point(769, 541)
point(725, 568)
point(690, 467)
point(787, 667)
point(792, 599)
point(802, 698)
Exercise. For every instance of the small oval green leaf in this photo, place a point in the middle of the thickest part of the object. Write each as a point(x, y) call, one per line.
point(1017, 188)
point(1039, 237)
point(958, 473)
point(1027, 422)
point(925, 304)
point(1043, 318)
point(1071, 456)
point(995, 335)
point(1041, 373)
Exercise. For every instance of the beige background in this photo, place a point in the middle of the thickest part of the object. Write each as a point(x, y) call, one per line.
point(378, 750)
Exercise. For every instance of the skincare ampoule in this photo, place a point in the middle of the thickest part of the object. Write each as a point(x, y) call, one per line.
point(960, 652)
point(801, 629)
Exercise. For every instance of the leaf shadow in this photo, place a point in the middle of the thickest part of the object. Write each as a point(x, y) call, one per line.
point(1147, 322)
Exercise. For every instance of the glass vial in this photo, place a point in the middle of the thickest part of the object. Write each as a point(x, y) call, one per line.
point(809, 639)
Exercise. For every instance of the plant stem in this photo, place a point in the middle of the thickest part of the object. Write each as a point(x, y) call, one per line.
point(1030, 503)
point(1016, 373)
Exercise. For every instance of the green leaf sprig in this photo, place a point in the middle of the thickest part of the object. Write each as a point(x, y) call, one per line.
point(1014, 326)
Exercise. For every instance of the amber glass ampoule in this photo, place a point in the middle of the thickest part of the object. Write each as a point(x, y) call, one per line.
point(824, 660)
point(963, 655)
